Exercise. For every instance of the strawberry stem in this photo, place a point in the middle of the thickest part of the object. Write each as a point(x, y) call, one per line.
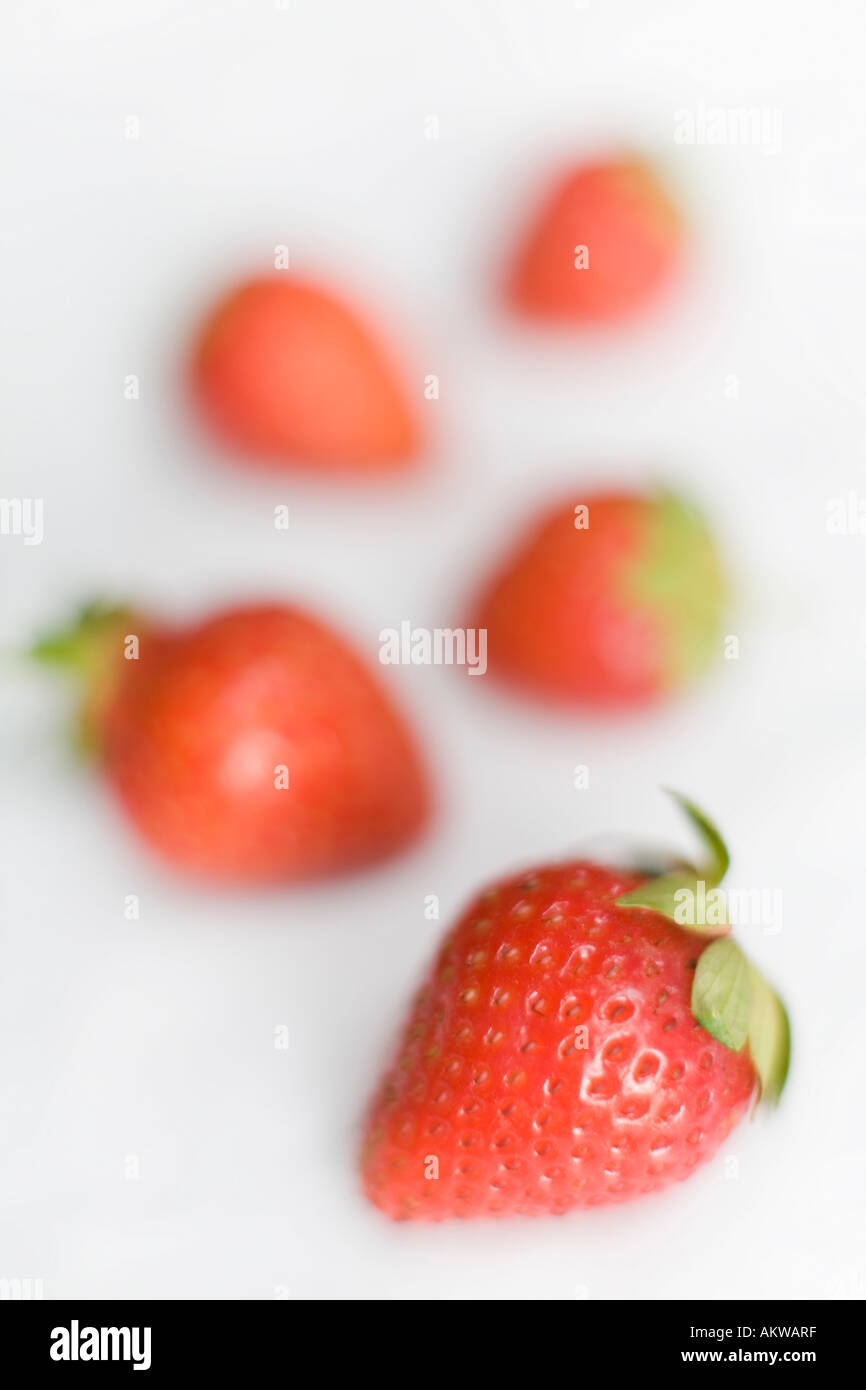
point(89, 649)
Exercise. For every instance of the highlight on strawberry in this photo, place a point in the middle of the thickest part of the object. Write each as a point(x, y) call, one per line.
point(252, 747)
point(602, 247)
point(608, 600)
point(286, 371)
point(573, 1046)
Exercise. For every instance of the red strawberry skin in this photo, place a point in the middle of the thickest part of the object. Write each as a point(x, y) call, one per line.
point(614, 616)
point(196, 729)
point(618, 211)
point(286, 371)
point(491, 1081)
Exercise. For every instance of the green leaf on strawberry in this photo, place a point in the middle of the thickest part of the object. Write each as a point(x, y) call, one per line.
point(720, 993)
point(679, 580)
point(719, 859)
point(769, 1037)
point(733, 1001)
point(678, 894)
point(89, 649)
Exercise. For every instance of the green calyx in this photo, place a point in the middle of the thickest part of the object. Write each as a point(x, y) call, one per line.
point(733, 1001)
point(90, 650)
point(689, 894)
point(730, 998)
point(720, 993)
point(678, 581)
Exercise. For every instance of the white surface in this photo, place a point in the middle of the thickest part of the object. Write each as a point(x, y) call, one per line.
point(306, 126)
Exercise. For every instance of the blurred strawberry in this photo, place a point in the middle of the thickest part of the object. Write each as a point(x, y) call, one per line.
point(571, 1047)
point(613, 602)
point(602, 246)
point(286, 370)
point(252, 747)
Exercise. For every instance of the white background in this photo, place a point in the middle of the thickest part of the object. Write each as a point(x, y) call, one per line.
point(306, 126)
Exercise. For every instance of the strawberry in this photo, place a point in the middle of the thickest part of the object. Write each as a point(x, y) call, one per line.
point(612, 602)
point(252, 747)
point(602, 246)
point(570, 1049)
point(285, 370)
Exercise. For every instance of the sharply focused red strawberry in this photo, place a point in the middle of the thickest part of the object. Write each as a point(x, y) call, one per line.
point(604, 243)
point(286, 370)
point(554, 1058)
point(252, 747)
point(613, 600)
